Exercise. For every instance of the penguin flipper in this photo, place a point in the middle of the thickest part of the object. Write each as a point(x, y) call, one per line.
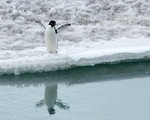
point(61, 28)
point(39, 22)
point(40, 103)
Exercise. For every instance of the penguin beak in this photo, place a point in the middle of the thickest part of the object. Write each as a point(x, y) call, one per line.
point(53, 25)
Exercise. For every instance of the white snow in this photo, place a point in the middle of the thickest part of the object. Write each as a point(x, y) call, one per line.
point(101, 31)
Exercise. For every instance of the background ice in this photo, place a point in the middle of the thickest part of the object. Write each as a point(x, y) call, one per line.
point(105, 24)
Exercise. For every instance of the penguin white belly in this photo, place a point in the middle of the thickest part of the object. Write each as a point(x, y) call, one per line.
point(51, 39)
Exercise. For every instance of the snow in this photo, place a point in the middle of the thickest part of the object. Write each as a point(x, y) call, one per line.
point(102, 31)
point(63, 61)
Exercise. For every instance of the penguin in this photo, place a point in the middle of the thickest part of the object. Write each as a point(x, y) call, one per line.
point(50, 99)
point(51, 36)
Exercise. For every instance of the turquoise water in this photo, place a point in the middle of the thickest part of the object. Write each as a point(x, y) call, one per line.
point(107, 92)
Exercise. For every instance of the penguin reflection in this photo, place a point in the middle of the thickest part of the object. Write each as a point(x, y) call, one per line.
point(50, 100)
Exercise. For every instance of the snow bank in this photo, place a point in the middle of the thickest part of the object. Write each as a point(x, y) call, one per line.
point(63, 61)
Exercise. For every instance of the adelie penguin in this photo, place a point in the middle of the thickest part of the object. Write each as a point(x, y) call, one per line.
point(51, 36)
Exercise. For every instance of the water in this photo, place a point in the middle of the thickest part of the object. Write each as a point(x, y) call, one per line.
point(108, 92)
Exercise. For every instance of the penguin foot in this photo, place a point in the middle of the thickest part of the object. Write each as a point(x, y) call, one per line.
point(53, 52)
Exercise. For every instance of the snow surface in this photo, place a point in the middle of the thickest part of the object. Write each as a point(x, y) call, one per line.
point(102, 31)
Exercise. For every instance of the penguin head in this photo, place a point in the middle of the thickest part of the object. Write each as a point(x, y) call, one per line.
point(52, 23)
point(51, 111)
